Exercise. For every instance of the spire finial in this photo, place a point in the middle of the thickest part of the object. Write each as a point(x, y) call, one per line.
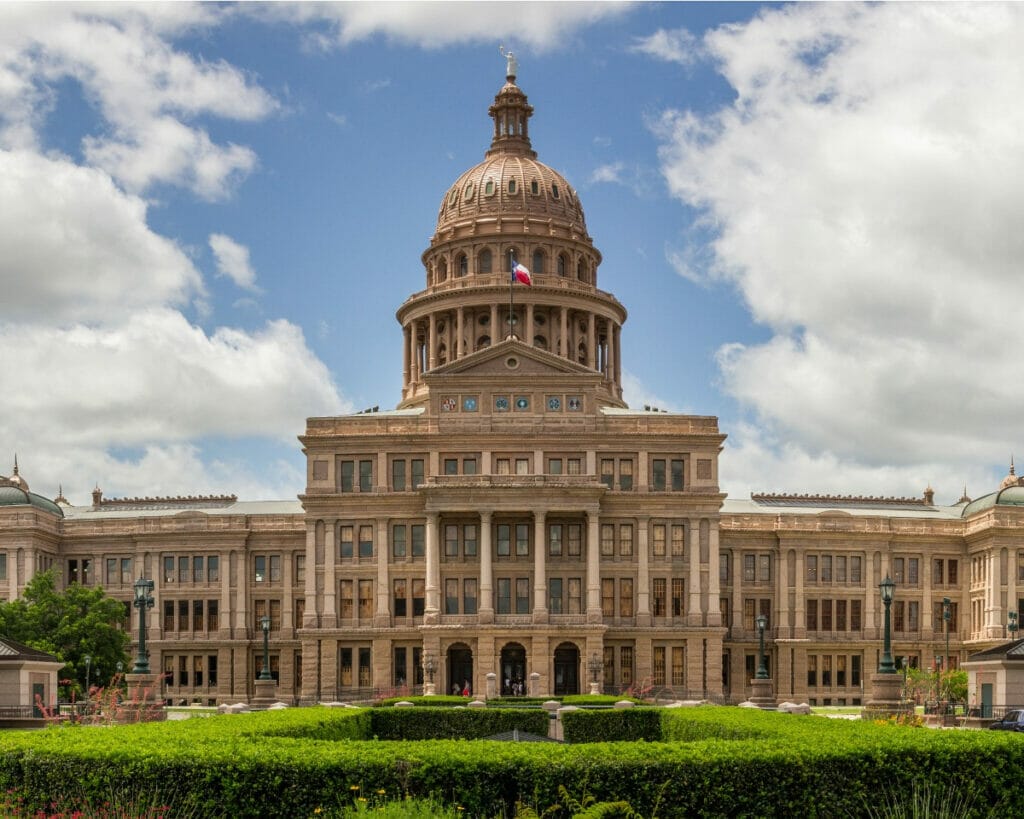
point(15, 463)
point(511, 66)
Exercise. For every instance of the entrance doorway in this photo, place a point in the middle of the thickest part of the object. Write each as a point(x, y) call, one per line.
point(567, 670)
point(460, 669)
point(513, 670)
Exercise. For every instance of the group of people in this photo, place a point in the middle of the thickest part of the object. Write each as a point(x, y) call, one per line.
point(464, 691)
point(514, 688)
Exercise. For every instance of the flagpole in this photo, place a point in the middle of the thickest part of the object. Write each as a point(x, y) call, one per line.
point(511, 281)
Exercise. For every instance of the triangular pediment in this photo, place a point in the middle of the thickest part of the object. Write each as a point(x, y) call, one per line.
point(511, 355)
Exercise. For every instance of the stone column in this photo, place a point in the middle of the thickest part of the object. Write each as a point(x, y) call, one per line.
point(460, 319)
point(540, 580)
point(432, 342)
point(406, 359)
point(643, 580)
point(926, 597)
point(431, 609)
point(563, 345)
point(693, 613)
point(382, 616)
point(593, 568)
point(287, 598)
point(486, 610)
point(329, 669)
point(242, 627)
point(414, 358)
point(12, 562)
point(495, 328)
point(714, 581)
point(800, 626)
point(738, 591)
point(330, 615)
point(309, 618)
point(591, 342)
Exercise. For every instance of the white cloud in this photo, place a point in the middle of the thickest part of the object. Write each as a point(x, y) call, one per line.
point(863, 193)
point(233, 261)
point(670, 45)
point(612, 172)
point(542, 26)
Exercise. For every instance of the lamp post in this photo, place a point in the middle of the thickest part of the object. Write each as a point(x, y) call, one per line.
point(887, 587)
point(1012, 626)
point(938, 682)
point(88, 669)
point(762, 669)
point(594, 667)
point(265, 671)
point(143, 600)
point(947, 614)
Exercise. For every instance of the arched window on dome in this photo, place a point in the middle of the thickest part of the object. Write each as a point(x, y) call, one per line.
point(512, 187)
point(554, 190)
point(489, 187)
point(535, 187)
point(561, 264)
point(483, 341)
point(442, 270)
point(540, 342)
point(581, 353)
point(538, 263)
point(484, 263)
point(442, 353)
point(463, 265)
point(581, 270)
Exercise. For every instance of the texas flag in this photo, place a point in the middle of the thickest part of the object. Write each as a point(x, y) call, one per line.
point(521, 274)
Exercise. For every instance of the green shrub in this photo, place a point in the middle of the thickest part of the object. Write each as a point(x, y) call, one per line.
point(453, 723)
point(612, 725)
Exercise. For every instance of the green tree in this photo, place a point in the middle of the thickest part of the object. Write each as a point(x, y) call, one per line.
point(70, 624)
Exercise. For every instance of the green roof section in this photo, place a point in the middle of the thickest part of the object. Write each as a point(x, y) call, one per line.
point(1011, 496)
point(14, 496)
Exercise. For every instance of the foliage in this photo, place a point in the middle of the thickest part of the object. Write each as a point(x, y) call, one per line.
point(453, 723)
point(618, 725)
point(954, 684)
point(70, 624)
point(719, 761)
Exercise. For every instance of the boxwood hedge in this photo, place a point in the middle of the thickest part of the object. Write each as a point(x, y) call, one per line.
point(715, 761)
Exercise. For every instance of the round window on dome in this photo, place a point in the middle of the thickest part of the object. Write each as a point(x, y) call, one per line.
point(535, 187)
point(467, 194)
point(512, 186)
point(554, 190)
point(489, 187)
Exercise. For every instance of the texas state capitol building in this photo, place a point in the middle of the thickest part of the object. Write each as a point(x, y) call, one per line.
point(513, 517)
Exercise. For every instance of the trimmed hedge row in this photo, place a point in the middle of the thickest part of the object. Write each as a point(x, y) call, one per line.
point(607, 725)
point(290, 763)
point(452, 723)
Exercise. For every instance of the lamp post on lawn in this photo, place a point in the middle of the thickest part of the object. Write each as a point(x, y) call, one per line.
point(885, 683)
point(947, 614)
point(594, 667)
point(265, 685)
point(265, 671)
point(762, 694)
point(762, 669)
point(143, 601)
point(887, 588)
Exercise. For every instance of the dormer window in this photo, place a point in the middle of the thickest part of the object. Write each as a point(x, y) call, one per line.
point(535, 187)
point(489, 187)
point(512, 186)
point(467, 194)
point(554, 190)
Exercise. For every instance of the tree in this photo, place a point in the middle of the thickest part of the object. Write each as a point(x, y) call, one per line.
point(80, 621)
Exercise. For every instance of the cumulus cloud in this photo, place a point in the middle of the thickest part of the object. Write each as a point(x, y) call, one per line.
point(670, 45)
point(862, 192)
point(612, 172)
point(233, 261)
point(541, 26)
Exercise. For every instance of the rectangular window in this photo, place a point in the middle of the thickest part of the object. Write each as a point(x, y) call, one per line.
point(749, 613)
point(897, 571)
point(678, 540)
point(840, 570)
point(658, 666)
point(912, 571)
point(841, 670)
point(417, 534)
point(347, 473)
point(346, 600)
point(365, 667)
point(764, 568)
point(826, 671)
point(855, 670)
point(451, 540)
point(504, 595)
point(554, 466)
point(608, 472)
point(898, 622)
point(607, 539)
point(213, 615)
point(504, 466)
point(417, 472)
point(937, 571)
point(522, 466)
point(275, 568)
point(855, 606)
point(366, 541)
point(112, 574)
point(607, 597)
point(811, 613)
point(658, 475)
point(811, 562)
point(183, 615)
point(345, 674)
point(522, 595)
point(677, 475)
point(213, 568)
point(183, 670)
point(826, 615)
point(951, 569)
point(504, 540)
point(840, 615)
point(365, 599)
point(451, 595)
point(608, 657)
point(399, 604)
point(678, 665)
point(399, 669)
point(522, 539)
point(126, 569)
point(469, 540)
point(398, 476)
point(826, 569)
point(555, 540)
point(197, 570)
point(574, 536)
point(658, 547)
point(626, 597)
point(418, 596)
point(658, 597)
point(398, 546)
point(300, 613)
point(469, 595)
point(575, 586)
point(197, 615)
point(260, 568)
point(555, 595)
point(855, 569)
point(365, 476)
point(677, 597)
point(574, 466)
point(275, 615)
point(168, 615)
point(184, 570)
point(346, 541)
point(749, 567)
point(626, 665)
point(626, 474)
point(913, 615)
point(626, 539)
point(812, 671)
point(451, 466)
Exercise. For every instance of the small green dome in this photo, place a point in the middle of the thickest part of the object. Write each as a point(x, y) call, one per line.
point(12, 495)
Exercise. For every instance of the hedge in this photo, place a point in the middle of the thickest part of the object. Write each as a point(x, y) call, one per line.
point(290, 763)
point(453, 723)
point(620, 725)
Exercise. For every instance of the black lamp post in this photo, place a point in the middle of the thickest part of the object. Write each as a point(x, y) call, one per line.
point(947, 614)
point(594, 667)
point(1012, 626)
point(143, 600)
point(88, 670)
point(762, 669)
point(887, 666)
point(265, 671)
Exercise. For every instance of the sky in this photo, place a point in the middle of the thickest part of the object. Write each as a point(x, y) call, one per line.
point(210, 213)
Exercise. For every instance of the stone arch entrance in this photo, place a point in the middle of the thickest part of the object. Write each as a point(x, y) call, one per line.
point(460, 668)
point(567, 670)
point(513, 670)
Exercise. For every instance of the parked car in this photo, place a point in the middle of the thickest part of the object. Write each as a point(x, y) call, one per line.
point(1013, 721)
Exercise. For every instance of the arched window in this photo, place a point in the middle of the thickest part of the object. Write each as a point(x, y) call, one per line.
point(561, 264)
point(540, 342)
point(581, 271)
point(538, 263)
point(512, 186)
point(534, 187)
point(442, 353)
point(581, 355)
point(483, 341)
point(485, 261)
point(442, 270)
point(463, 264)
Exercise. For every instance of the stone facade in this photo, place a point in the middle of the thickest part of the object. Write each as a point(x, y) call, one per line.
point(512, 517)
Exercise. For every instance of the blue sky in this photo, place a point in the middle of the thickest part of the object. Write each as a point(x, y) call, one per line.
point(211, 212)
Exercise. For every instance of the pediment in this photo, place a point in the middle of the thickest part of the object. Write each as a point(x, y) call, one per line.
point(498, 360)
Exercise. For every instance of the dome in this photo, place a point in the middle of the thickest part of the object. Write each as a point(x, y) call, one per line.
point(510, 182)
point(12, 495)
